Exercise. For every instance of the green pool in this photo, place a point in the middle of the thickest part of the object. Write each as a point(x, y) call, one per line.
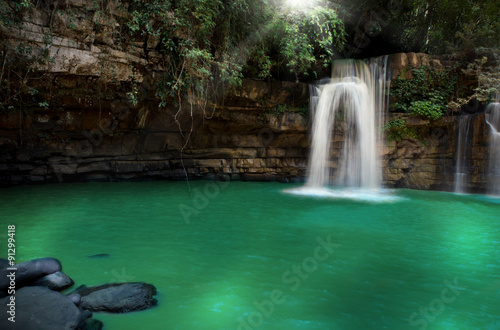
point(246, 255)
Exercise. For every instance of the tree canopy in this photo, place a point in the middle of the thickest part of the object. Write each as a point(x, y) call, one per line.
point(206, 45)
point(432, 26)
point(220, 41)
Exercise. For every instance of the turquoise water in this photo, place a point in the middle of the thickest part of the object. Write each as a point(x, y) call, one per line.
point(246, 255)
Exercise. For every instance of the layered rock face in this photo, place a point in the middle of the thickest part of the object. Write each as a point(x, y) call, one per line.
point(431, 164)
point(109, 142)
point(234, 144)
point(92, 131)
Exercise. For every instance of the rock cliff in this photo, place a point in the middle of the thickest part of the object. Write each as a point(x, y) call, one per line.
point(90, 129)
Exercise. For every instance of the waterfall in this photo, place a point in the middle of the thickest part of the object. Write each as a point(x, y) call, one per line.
point(464, 142)
point(492, 117)
point(356, 98)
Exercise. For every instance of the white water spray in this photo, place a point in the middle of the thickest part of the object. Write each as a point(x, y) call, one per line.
point(465, 130)
point(492, 117)
point(356, 98)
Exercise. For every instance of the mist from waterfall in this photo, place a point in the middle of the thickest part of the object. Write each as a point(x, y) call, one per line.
point(464, 141)
point(354, 100)
point(492, 117)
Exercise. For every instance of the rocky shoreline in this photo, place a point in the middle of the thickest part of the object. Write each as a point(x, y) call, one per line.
point(31, 298)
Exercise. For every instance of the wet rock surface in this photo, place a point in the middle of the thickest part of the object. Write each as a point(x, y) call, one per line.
point(30, 299)
point(118, 298)
point(39, 308)
point(57, 281)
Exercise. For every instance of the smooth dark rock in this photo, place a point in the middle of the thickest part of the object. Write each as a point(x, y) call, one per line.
point(57, 281)
point(84, 319)
point(4, 263)
point(85, 313)
point(75, 298)
point(39, 308)
point(118, 298)
point(100, 255)
point(93, 324)
point(29, 271)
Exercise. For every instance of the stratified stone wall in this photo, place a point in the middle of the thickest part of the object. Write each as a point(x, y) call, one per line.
point(235, 144)
point(431, 163)
point(92, 132)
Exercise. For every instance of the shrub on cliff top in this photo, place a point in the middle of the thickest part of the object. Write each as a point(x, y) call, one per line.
point(426, 94)
point(207, 45)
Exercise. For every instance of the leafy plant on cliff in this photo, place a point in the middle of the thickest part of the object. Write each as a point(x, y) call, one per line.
point(201, 47)
point(426, 94)
point(307, 36)
point(19, 60)
point(487, 76)
point(398, 130)
point(206, 46)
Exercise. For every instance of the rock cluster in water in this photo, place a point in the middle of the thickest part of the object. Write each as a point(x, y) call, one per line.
point(39, 303)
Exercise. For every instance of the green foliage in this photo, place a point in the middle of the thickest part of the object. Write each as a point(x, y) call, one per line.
point(44, 105)
point(426, 109)
point(281, 109)
point(19, 59)
point(487, 77)
point(459, 25)
point(397, 130)
point(434, 27)
point(12, 11)
point(308, 35)
point(207, 45)
point(304, 112)
point(426, 95)
point(132, 96)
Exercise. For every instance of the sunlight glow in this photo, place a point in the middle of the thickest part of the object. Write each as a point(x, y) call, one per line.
point(299, 4)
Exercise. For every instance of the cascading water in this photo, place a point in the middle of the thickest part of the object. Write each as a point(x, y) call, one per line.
point(352, 103)
point(464, 141)
point(356, 97)
point(492, 117)
point(380, 72)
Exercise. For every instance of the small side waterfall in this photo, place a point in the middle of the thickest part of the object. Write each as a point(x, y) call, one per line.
point(464, 142)
point(492, 117)
point(356, 98)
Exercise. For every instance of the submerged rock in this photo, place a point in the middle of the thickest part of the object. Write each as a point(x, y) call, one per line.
point(39, 308)
point(93, 324)
point(100, 255)
point(57, 281)
point(81, 288)
point(118, 298)
point(30, 271)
